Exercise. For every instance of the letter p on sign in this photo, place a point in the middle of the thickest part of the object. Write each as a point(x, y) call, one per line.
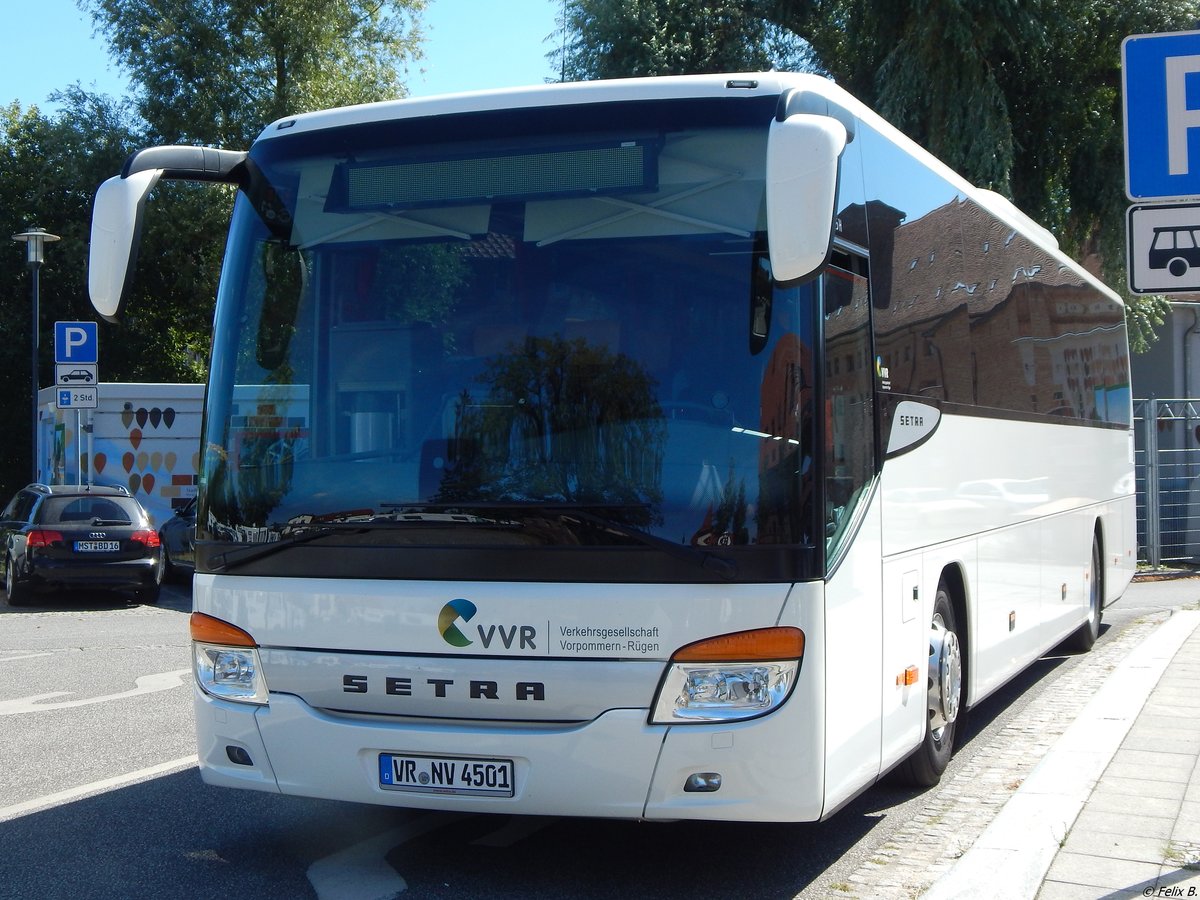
point(1162, 115)
point(76, 342)
point(1180, 117)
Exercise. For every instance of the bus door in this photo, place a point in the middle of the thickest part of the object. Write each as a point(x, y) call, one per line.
point(852, 531)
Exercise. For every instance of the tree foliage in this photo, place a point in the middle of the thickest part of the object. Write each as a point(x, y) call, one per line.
point(218, 71)
point(624, 38)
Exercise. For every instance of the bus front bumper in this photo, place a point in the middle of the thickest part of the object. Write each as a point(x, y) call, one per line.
point(615, 766)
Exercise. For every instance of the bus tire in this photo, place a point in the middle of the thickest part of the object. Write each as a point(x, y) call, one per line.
point(1177, 267)
point(925, 765)
point(1084, 638)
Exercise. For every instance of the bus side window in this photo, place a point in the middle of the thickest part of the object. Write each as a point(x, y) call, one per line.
point(849, 391)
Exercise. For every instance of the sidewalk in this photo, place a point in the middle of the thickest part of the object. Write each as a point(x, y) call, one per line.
point(1113, 809)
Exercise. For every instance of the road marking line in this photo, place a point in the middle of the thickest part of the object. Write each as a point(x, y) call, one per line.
point(362, 872)
point(96, 787)
point(26, 656)
point(146, 684)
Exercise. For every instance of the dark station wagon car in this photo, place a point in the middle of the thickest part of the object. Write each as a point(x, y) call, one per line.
point(68, 537)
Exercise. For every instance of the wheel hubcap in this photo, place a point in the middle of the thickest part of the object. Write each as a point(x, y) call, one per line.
point(945, 676)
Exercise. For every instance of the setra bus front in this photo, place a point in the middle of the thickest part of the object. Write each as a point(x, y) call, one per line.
point(511, 492)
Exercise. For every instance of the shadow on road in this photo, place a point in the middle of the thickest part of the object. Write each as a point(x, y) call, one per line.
point(174, 596)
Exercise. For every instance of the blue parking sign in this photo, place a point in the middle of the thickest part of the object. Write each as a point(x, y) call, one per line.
point(76, 342)
point(1162, 115)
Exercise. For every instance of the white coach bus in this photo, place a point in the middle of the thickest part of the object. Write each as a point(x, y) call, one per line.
point(680, 448)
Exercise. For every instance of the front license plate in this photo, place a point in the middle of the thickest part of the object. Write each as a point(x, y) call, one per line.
point(97, 546)
point(446, 775)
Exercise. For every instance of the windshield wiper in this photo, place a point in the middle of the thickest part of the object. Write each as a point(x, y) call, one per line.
point(239, 556)
point(725, 568)
point(311, 531)
point(455, 515)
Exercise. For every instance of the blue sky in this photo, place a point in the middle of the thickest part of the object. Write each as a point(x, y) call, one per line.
point(48, 44)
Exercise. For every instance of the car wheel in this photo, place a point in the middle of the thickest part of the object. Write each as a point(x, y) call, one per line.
point(170, 570)
point(16, 592)
point(924, 767)
point(150, 594)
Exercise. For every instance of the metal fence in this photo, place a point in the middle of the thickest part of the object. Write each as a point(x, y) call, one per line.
point(1167, 456)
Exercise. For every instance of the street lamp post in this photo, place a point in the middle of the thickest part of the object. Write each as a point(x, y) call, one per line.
point(35, 240)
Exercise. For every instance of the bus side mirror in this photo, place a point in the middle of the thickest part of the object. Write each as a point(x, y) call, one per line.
point(803, 152)
point(116, 233)
point(120, 202)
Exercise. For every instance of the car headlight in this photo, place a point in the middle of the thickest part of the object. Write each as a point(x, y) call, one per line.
point(731, 677)
point(225, 661)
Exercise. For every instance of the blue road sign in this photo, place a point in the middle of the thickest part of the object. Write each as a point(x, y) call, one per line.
point(1162, 115)
point(76, 342)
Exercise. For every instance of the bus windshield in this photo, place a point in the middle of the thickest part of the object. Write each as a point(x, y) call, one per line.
point(425, 330)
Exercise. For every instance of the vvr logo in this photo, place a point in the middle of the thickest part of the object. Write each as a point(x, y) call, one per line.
point(521, 636)
point(450, 614)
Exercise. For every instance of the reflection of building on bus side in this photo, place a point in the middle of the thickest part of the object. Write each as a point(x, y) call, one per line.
point(1009, 329)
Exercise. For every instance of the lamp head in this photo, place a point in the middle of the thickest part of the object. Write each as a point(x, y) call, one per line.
point(35, 240)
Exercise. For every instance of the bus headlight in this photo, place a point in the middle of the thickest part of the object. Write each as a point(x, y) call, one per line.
point(225, 661)
point(731, 677)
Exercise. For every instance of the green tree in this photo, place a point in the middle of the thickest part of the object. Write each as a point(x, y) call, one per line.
point(624, 38)
point(218, 71)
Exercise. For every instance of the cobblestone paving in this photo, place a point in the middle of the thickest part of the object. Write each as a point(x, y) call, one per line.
point(961, 807)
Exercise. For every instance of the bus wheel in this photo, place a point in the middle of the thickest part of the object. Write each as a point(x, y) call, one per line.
point(1177, 267)
point(924, 767)
point(1082, 640)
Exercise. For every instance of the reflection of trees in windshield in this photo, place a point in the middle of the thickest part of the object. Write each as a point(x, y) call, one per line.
point(407, 283)
point(262, 479)
point(725, 523)
point(562, 420)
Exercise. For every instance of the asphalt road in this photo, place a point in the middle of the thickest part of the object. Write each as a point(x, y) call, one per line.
point(100, 797)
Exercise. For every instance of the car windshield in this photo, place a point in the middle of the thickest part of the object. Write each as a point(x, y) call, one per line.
point(413, 319)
